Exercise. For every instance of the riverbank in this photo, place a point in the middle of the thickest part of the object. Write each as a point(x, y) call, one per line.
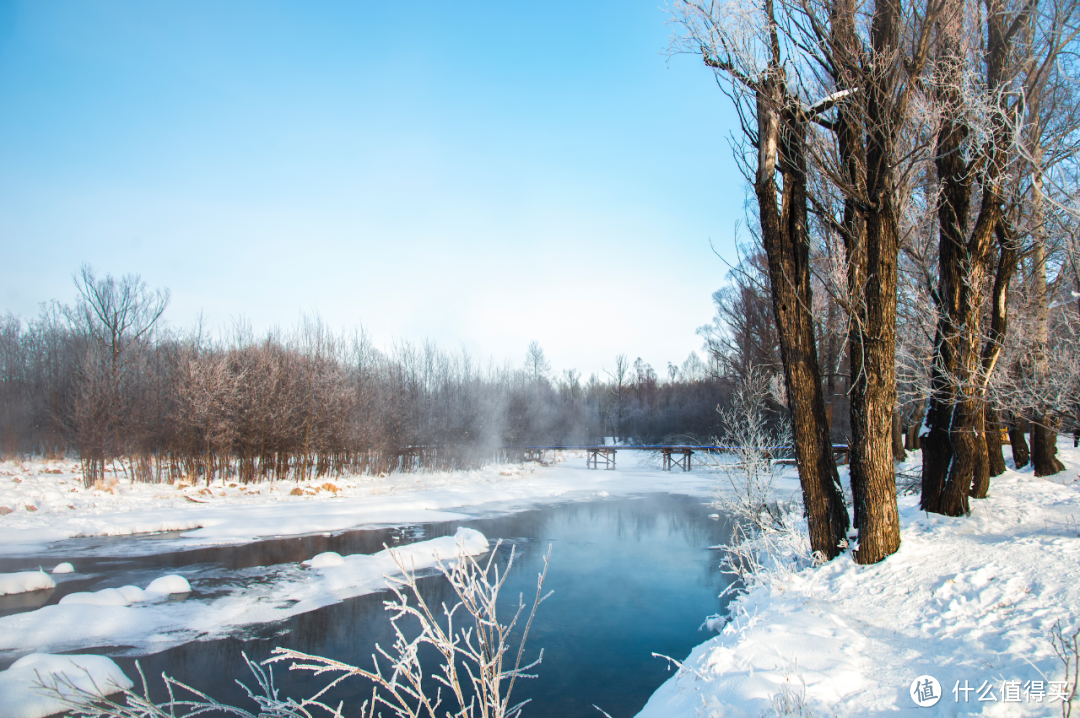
point(972, 602)
point(45, 501)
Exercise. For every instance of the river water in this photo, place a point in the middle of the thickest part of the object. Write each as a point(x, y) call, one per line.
point(630, 576)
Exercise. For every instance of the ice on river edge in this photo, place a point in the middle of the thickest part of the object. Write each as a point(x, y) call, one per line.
point(115, 616)
point(24, 582)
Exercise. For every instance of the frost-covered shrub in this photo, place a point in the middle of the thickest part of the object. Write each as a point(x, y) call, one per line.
point(480, 662)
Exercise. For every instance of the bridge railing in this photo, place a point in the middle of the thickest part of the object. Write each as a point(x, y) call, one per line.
point(673, 454)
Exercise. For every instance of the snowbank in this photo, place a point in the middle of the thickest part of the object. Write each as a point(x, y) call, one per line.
point(24, 698)
point(24, 581)
point(970, 602)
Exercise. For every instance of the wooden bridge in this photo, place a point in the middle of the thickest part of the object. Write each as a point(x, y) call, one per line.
point(673, 454)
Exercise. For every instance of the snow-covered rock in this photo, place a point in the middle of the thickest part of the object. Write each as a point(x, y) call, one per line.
point(127, 595)
point(322, 560)
point(169, 584)
point(64, 568)
point(24, 581)
point(104, 597)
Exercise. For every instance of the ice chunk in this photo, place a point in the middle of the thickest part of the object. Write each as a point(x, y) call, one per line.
point(24, 581)
point(98, 675)
point(64, 568)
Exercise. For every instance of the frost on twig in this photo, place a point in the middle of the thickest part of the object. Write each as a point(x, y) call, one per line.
point(764, 537)
point(1067, 647)
point(480, 660)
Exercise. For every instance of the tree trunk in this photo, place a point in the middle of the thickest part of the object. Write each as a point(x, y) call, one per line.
point(784, 238)
point(1008, 257)
point(865, 136)
point(980, 475)
point(1018, 441)
point(954, 457)
point(913, 442)
point(995, 455)
point(897, 438)
point(1044, 446)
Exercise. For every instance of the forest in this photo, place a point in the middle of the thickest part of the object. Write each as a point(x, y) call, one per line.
point(914, 180)
point(106, 380)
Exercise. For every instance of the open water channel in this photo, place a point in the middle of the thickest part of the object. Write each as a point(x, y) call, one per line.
point(630, 576)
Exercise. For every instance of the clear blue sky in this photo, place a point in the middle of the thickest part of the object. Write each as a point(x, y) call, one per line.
point(480, 174)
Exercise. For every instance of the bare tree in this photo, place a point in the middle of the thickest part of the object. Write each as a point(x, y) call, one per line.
point(116, 316)
point(536, 364)
point(977, 144)
point(744, 46)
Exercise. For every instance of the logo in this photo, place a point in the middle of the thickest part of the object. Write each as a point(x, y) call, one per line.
point(925, 691)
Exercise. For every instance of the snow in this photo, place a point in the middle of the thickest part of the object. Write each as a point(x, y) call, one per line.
point(64, 568)
point(20, 685)
point(322, 560)
point(104, 597)
point(231, 513)
point(127, 595)
point(167, 585)
point(24, 581)
point(131, 617)
point(970, 601)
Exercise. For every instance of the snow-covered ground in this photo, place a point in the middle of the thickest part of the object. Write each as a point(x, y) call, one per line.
point(47, 503)
point(969, 601)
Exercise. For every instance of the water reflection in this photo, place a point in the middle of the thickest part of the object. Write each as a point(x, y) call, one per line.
point(28, 601)
point(630, 576)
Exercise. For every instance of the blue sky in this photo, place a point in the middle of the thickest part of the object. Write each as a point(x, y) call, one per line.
point(479, 174)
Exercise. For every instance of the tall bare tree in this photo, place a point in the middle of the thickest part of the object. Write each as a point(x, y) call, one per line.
point(743, 45)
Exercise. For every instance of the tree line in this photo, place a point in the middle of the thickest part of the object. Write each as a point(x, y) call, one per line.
point(913, 169)
point(106, 380)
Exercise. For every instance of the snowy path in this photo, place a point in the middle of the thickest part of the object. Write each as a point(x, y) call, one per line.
point(970, 601)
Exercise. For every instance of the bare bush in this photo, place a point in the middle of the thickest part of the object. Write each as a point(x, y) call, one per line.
point(480, 661)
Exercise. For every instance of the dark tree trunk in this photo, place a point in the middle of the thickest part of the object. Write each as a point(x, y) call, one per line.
point(865, 136)
point(784, 237)
point(980, 476)
point(912, 441)
point(897, 439)
point(954, 457)
point(1018, 441)
point(1044, 446)
point(995, 455)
